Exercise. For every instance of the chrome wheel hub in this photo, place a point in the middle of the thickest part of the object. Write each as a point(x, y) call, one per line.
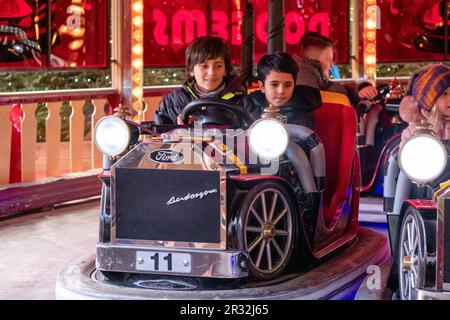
point(269, 231)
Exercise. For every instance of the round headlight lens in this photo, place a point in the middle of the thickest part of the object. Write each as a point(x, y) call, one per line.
point(112, 135)
point(422, 158)
point(268, 138)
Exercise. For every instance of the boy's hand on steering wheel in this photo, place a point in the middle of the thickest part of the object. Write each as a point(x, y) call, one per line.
point(368, 93)
point(180, 120)
point(123, 112)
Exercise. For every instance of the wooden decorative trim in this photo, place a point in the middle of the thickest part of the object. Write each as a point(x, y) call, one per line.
point(53, 138)
point(7, 98)
point(5, 145)
point(96, 155)
point(76, 136)
point(30, 196)
point(28, 142)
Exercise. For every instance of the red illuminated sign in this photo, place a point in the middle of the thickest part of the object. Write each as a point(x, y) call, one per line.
point(411, 30)
point(171, 25)
point(189, 24)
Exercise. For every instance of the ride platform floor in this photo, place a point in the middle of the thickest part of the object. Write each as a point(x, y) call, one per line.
point(37, 247)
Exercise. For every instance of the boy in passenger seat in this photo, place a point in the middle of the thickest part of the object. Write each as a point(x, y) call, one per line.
point(277, 75)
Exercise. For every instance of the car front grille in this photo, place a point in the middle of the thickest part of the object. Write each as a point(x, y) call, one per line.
point(167, 205)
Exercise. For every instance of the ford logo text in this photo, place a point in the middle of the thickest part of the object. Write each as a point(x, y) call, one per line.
point(166, 156)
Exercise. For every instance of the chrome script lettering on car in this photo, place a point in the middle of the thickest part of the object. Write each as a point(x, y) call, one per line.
point(190, 196)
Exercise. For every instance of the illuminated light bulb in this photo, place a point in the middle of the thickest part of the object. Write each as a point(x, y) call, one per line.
point(370, 35)
point(371, 24)
point(137, 49)
point(137, 63)
point(370, 59)
point(371, 12)
point(137, 35)
point(370, 71)
point(76, 44)
point(137, 92)
point(75, 9)
point(371, 1)
point(138, 7)
point(138, 21)
point(370, 48)
point(137, 78)
point(76, 33)
point(137, 105)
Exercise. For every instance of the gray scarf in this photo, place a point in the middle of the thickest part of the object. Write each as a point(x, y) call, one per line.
point(209, 94)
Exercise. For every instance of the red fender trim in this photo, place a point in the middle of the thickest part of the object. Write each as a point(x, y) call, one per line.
point(367, 187)
point(104, 174)
point(422, 204)
point(256, 177)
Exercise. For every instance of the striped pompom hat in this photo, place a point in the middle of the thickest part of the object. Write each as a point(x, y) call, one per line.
point(427, 84)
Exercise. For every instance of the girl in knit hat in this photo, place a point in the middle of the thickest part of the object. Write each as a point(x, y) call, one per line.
point(428, 100)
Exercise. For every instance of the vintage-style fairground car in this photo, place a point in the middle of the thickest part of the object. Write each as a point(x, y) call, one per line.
point(419, 217)
point(217, 202)
point(379, 129)
point(21, 31)
point(433, 37)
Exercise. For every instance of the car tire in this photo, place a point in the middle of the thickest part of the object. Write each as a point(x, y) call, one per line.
point(267, 229)
point(412, 255)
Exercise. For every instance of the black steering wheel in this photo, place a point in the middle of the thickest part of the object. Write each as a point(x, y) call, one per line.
point(217, 111)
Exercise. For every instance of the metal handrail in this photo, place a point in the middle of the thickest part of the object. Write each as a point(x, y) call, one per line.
point(159, 90)
point(8, 98)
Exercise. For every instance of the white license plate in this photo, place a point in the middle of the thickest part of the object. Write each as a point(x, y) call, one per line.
point(163, 261)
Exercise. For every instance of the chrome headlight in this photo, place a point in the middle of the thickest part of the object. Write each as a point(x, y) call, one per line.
point(422, 158)
point(112, 135)
point(268, 138)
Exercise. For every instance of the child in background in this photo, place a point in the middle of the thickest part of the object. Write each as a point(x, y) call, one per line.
point(315, 61)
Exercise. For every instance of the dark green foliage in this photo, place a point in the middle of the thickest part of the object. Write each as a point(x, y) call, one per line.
point(42, 80)
point(164, 77)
